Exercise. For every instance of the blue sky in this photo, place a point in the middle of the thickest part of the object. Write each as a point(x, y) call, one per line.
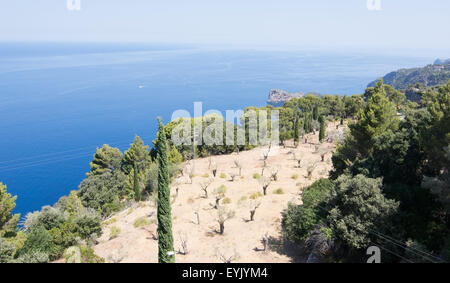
point(313, 23)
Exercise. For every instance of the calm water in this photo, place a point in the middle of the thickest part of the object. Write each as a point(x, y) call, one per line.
point(58, 102)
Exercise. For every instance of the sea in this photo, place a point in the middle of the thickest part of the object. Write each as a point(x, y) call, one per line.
point(61, 101)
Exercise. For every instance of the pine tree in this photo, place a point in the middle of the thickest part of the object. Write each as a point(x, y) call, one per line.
point(165, 238)
point(322, 129)
point(137, 191)
point(376, 118)
point(106, 159)
point(138, 152)
point(8, 221)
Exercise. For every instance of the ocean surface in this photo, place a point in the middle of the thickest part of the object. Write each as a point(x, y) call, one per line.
point(59, 102)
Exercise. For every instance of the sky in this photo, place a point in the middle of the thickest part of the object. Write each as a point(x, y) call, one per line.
point(416, 24)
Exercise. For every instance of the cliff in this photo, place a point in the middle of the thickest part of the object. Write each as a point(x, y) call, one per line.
point(431, 75)
point(279, 97)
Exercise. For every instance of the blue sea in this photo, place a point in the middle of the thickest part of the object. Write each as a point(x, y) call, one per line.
point(59, 102)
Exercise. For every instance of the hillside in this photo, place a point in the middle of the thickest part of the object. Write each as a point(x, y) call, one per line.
point(430, 75)
point(279, 97)
point(136, 240)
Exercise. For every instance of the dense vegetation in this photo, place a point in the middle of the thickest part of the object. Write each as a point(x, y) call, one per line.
point(390, 186)
point(71, 226)
point(297, 117)
point(436, 74)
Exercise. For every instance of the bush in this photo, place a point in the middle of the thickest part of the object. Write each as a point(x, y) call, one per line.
point(112, 220)
point(88, 223)
point(256, 195)
point(64, 236)
point(256, 176)
point(279, 191)
point(39, 241)
point(141, 221)
point(358, 205)
point(294, 177)
point(299, 221)
point(72, 255)
point(112, 207)
point(31, 221)
point(102, 192)
point(114, 232)
point(88, 255)
point(6, 251)
point(317, 192)
point(226, 201)
point(223, 175)
point(49, 217)
point(33, 257)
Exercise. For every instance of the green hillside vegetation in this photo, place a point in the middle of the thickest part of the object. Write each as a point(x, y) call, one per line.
point(114, 182)
point(431, 75)
point(390, 186)
point(390, 175)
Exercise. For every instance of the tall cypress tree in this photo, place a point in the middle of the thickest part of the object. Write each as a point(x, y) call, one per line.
point(165, 238)
point(315, 112)
point(296, 131)
point(322, 129)
point(137, 191)
point(308, 123)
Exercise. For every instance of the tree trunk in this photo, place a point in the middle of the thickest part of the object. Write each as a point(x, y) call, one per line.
point(252, 215)
point(198, 218)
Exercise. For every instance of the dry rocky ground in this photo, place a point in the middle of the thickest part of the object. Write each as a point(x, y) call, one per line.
point(241, 241)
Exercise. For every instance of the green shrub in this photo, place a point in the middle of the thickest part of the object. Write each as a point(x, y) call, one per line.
point(72, 255)
point(299, 221)
point(141, 221)
point(88, 255)
point(112, 207)
point(40, 240)
point(102, 192)
point(223, 175)
point(64, 236)
point(317, 192)
point(114, 232)
point(294, 176)
point(226, 201)
point(256, 176)
point(49, 217)
point(87, 224)
point(279, 191)
point(6, 251)
point(256, 195)
point(33, 257)
point(112, 220)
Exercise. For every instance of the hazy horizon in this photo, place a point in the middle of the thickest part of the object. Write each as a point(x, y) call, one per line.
point(412, 25)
